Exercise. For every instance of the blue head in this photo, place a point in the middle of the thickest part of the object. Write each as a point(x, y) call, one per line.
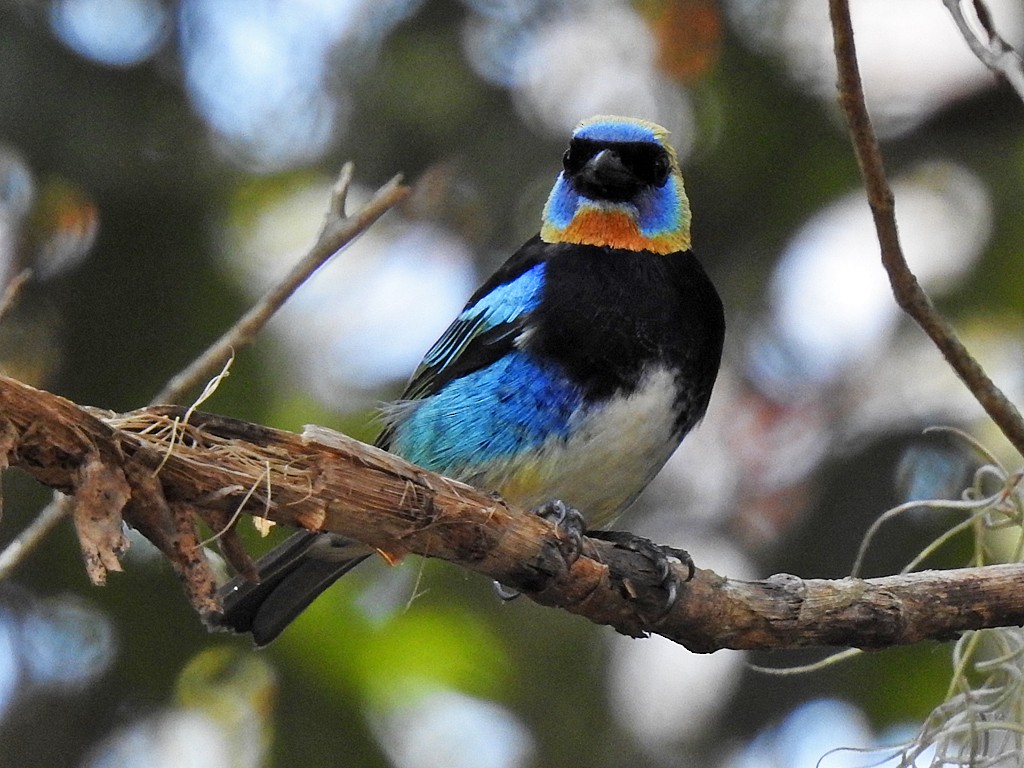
point(620, 186)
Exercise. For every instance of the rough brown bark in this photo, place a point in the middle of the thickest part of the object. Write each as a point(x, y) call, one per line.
point(162, 474)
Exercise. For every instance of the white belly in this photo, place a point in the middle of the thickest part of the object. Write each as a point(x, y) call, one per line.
point(611, 455)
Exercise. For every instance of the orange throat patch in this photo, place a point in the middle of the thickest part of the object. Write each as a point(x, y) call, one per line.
point(614, 229)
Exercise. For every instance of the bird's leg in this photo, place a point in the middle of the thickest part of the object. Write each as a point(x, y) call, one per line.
point(571, 527)
point(661, 557)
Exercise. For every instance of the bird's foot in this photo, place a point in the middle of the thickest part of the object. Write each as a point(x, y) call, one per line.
point(571, 529)
point(662, 558)
point(570, 525)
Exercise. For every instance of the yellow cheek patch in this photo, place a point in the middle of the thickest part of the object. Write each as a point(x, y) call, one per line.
point(614, 229)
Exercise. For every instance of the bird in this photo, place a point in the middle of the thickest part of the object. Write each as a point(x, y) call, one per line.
point(569, 378)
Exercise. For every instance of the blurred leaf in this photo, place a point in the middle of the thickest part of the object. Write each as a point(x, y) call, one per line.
point(421, 647)
point(237, 690)
point(688, 34)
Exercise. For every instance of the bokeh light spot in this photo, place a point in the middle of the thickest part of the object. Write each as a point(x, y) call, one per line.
point(912, 58)
point(119, 33)
point(10, 668)
point(831, 299)
point(445, 729)
point(71, 643)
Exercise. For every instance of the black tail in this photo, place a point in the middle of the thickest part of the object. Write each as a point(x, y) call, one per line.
point(292, 575)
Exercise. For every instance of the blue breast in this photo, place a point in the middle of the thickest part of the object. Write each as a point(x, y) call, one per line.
point(497, 412)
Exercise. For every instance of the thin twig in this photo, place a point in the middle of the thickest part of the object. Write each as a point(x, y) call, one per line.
point(13, 291)
point(338, 231)
point(996, 54)
point(59, 505)
point(909, 294)
point(12, 555)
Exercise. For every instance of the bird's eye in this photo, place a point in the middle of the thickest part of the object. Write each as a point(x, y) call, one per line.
point(577, 155)
point(661, 169)
point(649, 162)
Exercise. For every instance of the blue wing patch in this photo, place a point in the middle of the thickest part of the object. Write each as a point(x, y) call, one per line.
point(484, 331)
point(497, 412)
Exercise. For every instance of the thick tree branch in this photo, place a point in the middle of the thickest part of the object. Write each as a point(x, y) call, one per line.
point(907, 290)
point(338, 230)
point(160, 474)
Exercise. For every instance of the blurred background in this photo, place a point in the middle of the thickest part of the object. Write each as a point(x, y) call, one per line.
point(162, 163)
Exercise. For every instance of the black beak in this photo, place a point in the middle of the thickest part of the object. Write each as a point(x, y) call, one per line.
point(605, 177)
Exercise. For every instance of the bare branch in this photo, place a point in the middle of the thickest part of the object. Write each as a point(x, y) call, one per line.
point(995, 53)
point(33, 535)
point(908, 292)
point(13, 291)
point(338, 231)
point(329, 482)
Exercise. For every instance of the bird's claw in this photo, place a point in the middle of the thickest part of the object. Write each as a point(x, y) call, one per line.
point(570, 524)
point(505, 594)
point(662, 558)
point(571, 528)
